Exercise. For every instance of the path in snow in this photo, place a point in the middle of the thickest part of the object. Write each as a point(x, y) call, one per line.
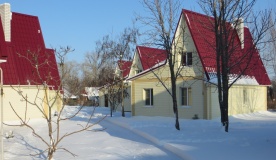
point(113, 143)
point(135, 146)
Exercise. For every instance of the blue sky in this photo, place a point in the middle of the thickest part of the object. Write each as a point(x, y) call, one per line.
point(80, 23)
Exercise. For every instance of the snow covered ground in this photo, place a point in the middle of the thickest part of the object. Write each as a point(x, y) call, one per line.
point(251, 136)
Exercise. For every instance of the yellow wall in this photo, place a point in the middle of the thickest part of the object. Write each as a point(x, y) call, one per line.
point(213, 110)
point(163, 101)
point(127, 101)
point(19, 104)
point(35, 94)
point(55, 100)
point(247, 99)
point(136, 65)
point(256, 100)
point(183, 42)
point(101, 97)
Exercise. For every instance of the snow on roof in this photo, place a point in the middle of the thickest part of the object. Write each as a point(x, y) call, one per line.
point(92, 91)
point(243, 80)
point(157, 65)
point(67, 94)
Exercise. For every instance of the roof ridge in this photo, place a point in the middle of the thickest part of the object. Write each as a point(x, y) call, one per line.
point(196, 13)
point(22, 14)
point(150, 48)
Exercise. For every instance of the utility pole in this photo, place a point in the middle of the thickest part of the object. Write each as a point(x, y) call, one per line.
point(2, 110)
point(2, 133)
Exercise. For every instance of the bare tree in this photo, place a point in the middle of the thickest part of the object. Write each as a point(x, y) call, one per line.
point(272, 47)
point(228, 15)
point(71, 81)
point(110, 52)
point(123, 49)
point(98, 67)
point(162, 23)
point(114, 94)
point(269, 56)
point(48, 100)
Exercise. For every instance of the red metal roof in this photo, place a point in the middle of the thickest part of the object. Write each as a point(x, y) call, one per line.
point(125, 67)
point(150, 56)
point(3, 47)
point(200, 27)
point(27, 44)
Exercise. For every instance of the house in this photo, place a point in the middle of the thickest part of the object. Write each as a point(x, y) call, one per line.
point(111, 91)
point(91, 95)
point(196, 87)
point(22, 45)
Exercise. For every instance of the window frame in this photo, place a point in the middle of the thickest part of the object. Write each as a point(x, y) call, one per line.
point(138, 71)
point(187, 58)
point(148, 96)
point(185, 99)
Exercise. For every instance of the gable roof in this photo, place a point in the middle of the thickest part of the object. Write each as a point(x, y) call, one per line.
point(150, 56)
point(125, 67)
point(27, 42)
point(200, 27)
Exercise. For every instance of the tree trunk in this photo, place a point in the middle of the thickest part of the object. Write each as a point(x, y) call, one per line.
point(122, 90)
point(50, 154)
point(175, 109)
point(225, 109)
point(110, 111)
point(123, 107)
point(123, 111)
point(176, 115)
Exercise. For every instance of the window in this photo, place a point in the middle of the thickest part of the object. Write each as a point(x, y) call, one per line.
point(138, 71)
point(186, 59)
point(148, 97)
point(245, 96)
point(186, 98)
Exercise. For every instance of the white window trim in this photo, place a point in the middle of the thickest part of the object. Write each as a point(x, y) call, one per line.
point(185, 106)
point(144, 98)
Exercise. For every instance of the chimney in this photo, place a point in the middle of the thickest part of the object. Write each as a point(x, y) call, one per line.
point(239, 24)
point(6, 16)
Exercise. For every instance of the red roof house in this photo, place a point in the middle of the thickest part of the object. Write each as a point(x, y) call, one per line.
point(195, 63)
point(204, 39)
point(25, 51)
point(27, 66)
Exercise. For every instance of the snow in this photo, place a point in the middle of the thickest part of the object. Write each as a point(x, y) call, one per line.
point(251, 136)
point(244, 79)
point(91, 92)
